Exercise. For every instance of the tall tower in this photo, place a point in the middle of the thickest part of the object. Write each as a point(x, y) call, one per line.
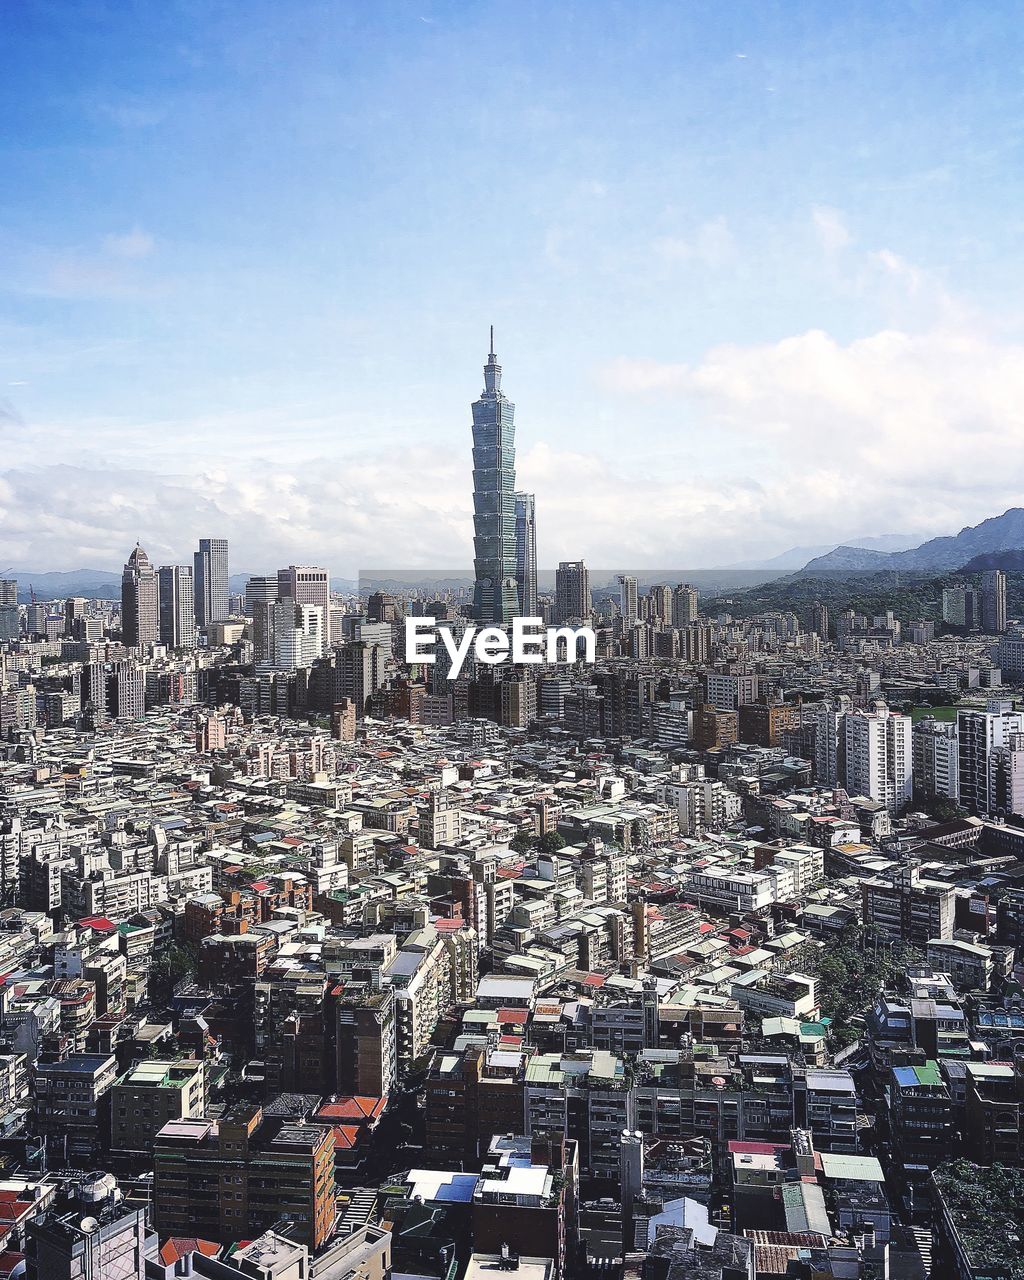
point(526, 554)
point(210, 564)
point(177, 606)
point(495, 597)
point(140, 601)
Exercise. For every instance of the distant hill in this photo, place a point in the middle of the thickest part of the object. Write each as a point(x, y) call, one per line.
point(1008, 561)
point(797, 557)
point(96, 584)
point(997, 534)
point(105, 584)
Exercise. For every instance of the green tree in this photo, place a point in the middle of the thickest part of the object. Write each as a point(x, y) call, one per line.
point(551, 842)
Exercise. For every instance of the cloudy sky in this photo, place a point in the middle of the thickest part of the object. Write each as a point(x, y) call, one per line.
point(755, 271)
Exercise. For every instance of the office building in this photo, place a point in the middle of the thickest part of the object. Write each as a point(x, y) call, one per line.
point(526, 554)
point(8, 591)
point(308, 585)
point(495, 594)
point(573, 602)
point(210, 576)
point(140, 601)
point(177, 606)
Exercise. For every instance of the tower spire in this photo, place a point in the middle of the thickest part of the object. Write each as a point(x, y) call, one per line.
point(492, 371)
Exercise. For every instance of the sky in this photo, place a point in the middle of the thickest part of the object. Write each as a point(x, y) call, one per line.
point(754, 270)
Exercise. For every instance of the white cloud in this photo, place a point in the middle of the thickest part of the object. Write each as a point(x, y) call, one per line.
point(132, 244)
point(830, 228)
point(712, 244)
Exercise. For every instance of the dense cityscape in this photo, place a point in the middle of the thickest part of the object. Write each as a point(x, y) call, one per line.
point(696, 960)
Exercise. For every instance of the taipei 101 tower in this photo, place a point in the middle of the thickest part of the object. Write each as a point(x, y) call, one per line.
point(495, 595)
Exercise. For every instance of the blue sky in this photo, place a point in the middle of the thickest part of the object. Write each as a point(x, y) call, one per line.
point(754, 271)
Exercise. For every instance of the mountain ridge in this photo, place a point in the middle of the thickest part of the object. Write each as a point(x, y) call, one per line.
point(993, 535)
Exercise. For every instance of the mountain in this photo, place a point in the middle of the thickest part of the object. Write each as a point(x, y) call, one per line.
point(96, 584)
point(1008, 561)
point(998, 533)
point(797, 557)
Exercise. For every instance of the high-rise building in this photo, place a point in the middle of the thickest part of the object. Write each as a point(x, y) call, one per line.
point(260, 598)
point(8, 591)
point(661, 605)
point(993, 601)
point(573, 602)
point(960, 607)
point(879, 756)
point(10, 622)
point(526, 554)
point(936, 759)
point(75, 607)
point(819, 619)
point(628, 601)
point(177, 606)
point(308, 584)
point(211, 581)
point(140, 601)
point(495, 595)
point(684, 605)
point(981, 734)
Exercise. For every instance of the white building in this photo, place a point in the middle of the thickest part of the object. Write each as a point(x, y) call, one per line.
point(879, 756)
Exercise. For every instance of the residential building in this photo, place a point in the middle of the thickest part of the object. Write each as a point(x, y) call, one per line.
point(232, 1178)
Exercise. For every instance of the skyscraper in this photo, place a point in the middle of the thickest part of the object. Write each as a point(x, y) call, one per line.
point(573, 602)
point(495, 596)
point(140, 602)
point(177, 606)
point(628, 600)
point(526, 554)
point(993, 601)
point(211, 581)
point(308, 584)
point(684, 605)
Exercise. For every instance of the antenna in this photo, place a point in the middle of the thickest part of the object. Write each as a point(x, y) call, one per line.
point(492, 341)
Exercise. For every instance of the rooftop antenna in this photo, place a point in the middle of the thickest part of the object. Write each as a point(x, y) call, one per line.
point(492, 341)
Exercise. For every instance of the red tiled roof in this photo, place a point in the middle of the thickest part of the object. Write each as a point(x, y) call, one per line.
point(354, 1108)
point(100, 923)
point(517, 1017)
point(346, 1136)
point(594, 980)
point(178, 1247)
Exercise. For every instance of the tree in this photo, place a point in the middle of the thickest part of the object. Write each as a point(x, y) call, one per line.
point(551, 842)
point(178, 962)
point(521, 841)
